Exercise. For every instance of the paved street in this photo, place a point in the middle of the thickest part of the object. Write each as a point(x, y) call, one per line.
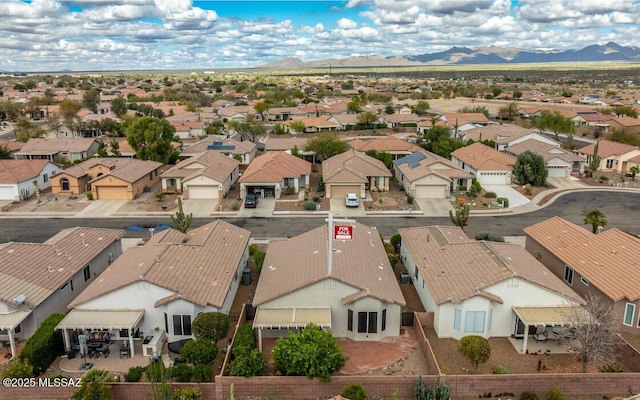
point(622, 210)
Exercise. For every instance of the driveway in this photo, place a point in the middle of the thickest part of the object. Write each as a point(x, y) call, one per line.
point(198, 207)
point(565, 183)
point(101, 208)
point(264, 209)
point(434, 207)
point(515, 198)
point(339, 209)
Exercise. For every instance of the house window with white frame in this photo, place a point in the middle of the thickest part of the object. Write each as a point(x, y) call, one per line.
point(629, 311)
point(457, 318)
point(568, 274)
point(474, 321)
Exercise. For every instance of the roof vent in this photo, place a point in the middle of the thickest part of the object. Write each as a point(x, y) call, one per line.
point(20, 299)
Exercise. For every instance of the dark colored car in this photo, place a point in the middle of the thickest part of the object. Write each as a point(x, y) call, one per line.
point(251, 201)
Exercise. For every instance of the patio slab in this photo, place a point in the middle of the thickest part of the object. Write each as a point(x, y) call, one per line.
point(113, 362)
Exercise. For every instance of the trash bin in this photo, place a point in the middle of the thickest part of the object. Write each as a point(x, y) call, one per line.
point(405, 278)
point(246, 277)
point(71, 354)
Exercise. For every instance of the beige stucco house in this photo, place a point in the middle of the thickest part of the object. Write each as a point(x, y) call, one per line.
point(614, 156)
point(354, 172)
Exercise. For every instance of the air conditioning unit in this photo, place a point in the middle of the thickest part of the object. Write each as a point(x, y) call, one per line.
point(53, 173)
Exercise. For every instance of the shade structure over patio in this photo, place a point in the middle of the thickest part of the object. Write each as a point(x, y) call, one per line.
point(290, 318)
point(545, 316)
point(99, 320)
point(9, 321)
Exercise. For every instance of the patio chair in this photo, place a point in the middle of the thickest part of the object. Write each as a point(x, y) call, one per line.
point(125, 351)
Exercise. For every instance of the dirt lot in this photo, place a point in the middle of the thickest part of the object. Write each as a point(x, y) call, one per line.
point(49, 203)
point(394, 199)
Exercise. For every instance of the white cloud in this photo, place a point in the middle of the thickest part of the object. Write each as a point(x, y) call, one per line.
point(346, 23)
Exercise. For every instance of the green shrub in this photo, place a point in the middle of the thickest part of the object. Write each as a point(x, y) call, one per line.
point(187, 394)
point(316, 199)
point(528, 190)
point(476, 349)
point(94, 386)
point(253, 363)
point(490, 236)
point(211, 326)
point(528, 395)
point(289, 191)
point(18, 368)
point(252, 249)
point(202, 373)
point(490, 195)
point(476, 185)
point(473, 192)
point(555, 394)
point(396, 241)
point(134, 374)
point(153, 372)
point(309, 205)
point(44, 345)
point(410, 199)
point(199, 351)
point(258, 259)
point(182, 372)
point(612, 368)
point(500, 370)
point(504, 201)
point(245, 340)
point(354, 392)
point(89, 195)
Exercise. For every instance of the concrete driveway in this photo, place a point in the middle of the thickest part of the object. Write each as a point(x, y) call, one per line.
point(265, 209)
point(339, 209)
point(434, 207)
point(198, 207)
point(515, 198)
point(101, 208)
point(565, 183)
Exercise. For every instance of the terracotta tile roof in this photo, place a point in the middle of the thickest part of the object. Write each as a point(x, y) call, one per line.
point(211, 163)
point(37, 270)
point(456, 268)
point(198, 266)
point(201, 146)
point(346, 119)
point(130, 171)
point(484, 158)
point(431, 164)
point(500, 134)
point(546, 150)
point(359, 165)
point(609, 260)
point(16, 171)
point(465, 118)
point(316, 122)
point(595, 117)
point(608, 148)
point(627, 121)
point(52, 146)
point(274, 166)
point(384, 143)
point(187, 125)
point(12, 145)
point(277, 143)
point(296, 263)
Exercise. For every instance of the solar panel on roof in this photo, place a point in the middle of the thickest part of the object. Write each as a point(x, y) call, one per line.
point(221, 147)
point(412, 160)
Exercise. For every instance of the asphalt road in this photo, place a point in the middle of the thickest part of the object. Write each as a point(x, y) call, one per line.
point(622, 211)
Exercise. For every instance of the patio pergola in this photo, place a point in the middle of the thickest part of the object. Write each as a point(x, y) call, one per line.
point(101, 319)
point(290, 318)
point(545, 316)
point(9, 321)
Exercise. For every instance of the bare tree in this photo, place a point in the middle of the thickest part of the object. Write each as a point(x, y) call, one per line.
point(594, 333)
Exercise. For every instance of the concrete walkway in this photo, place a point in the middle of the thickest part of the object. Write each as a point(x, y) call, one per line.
point(566, 183)
point(515, 198)
point(101, 208)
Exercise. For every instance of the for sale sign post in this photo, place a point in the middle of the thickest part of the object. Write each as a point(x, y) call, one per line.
point(343, 232)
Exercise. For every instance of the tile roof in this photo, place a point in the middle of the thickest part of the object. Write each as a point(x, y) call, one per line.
point(37, 270)
point(465, 118)
point(198, 266)
point(546, 150)
point(11, 145)
point(607, 148)
point(52, 146)
point(359, 165)
point(456, 268)
point(274, 166)
point(201, 146)
point(211, 163)
point(429, 163)
point(482, 157)
point(130, 171)
point(296, 263)
point(16, 171)
point(501, 134)
point(627, 121)
point(276, 143)
point(609, 260)
point(384, 143)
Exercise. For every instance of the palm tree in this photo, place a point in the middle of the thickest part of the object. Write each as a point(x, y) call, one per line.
point(596, 219)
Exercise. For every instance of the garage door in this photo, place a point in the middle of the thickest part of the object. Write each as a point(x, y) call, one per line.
point(494, 178)
point(430, 191)
point(338, 191)
point(112, 192)
point(202, 192)
point(7, 192)
point(557, 172)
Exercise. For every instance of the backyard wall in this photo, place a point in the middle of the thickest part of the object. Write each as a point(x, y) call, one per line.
point(425, 320)
point(629, 356)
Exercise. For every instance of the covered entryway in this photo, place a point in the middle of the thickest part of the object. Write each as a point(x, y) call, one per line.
point(125, 322)
point(430, 191)
point(9, 322)
point(544, 318)
point(111, 192)
point(339, 191)
point(290, 318)
point(203, 192)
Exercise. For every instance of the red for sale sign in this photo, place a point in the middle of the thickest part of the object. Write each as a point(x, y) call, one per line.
point(343, 232)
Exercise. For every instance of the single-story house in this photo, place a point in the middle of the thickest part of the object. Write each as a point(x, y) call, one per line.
point(128, 181)
point(288, 143)
point(389, 144)
point(243, 151)
point(17, 177)
point(355, 293)
point(605, 264)
point(274, 171)
point(12, 146)
point(560, 163)
point(354, 172)
point(614, 156)
point(490, 166)
point(504, 135)
point(205, 176)
point(39, 279)
point(58, 149)
point(426, 175)
point(313, 124)
point(397, 120)
point(159, 288)
point(481, 288)
point(629, 124)
point(188, 129)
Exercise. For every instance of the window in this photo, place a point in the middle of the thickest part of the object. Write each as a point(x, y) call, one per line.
point(64, 182)
point(289, 182)
point(182, 325)
point(584, 281)
point(350, 320)
point(45, 178)
point(629, 310)
point(172, 182)
point(87, 273)
point(474, 321)
point(150, 176)
point(384, 319)
point(367, 322)
point(457, 316)
point(166, 323)
point(415, 273)
point(609, 163)
point(568, 274)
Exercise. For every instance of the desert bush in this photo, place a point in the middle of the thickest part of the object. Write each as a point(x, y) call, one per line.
point(134, 374)
point(89, 195)
point(182, 372)
point(310, 206)
point(500, 370)
point(490, 236)
point(187, 394)
point(490, 195)
point(476, 349)
point(473, 192)
point(248, 364)
point(316, 199)
point(354, 391)
point(211, 326)
point(202, 373)
point(199, 351)
point(396, 241)
point(612, 368)
point(258, 259)
point(252, 249)
point(18, 368)
point(410, 199)
point(504, 201)
point(245, 340)
point(555, 394)
point(528, 395)
point(528, 190)
point(289, 191)
point(44, 345)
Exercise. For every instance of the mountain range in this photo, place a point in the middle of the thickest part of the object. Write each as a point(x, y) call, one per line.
point(477, 55)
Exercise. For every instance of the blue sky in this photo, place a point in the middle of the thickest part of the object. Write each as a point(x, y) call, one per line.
point(49, 35)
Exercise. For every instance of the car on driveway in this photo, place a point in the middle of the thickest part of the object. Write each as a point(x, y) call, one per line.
point(351, 200)
point(251, 201)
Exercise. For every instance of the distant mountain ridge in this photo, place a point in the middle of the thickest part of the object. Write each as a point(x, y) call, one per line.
point(478, 55)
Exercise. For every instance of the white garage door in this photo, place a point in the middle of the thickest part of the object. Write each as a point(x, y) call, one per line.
point(430, 191)
point(338, 191)
point(203, 192)
point(7, 192)
point(557, 171)
point(494, 178)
